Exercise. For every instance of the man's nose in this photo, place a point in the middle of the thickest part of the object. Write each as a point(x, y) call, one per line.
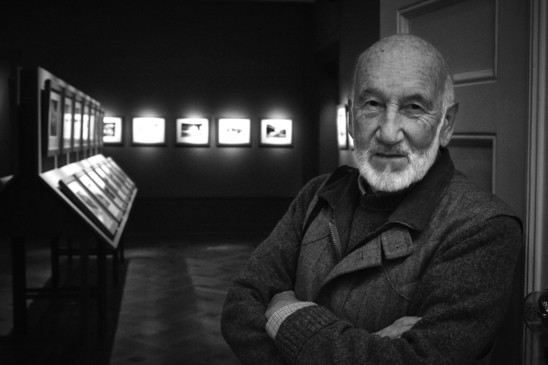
point(390, 127)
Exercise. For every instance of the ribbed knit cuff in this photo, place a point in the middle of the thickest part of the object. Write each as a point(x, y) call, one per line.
point(276, 319)
point(297, 329)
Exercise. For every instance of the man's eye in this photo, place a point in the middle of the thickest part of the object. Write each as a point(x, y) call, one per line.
point(413, 109)
point(372, 104)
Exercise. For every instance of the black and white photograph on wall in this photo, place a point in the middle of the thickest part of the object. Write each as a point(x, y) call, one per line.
point(342, 130)
point(234, 132)
point(77, 125)
point(277, 132)
point(112, 130)
point(67, 122)
point(52, 116)
point(192, 132)
point(85, 125)
point(148, 131)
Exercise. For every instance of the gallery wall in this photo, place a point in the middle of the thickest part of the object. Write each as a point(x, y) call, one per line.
point(228, 59)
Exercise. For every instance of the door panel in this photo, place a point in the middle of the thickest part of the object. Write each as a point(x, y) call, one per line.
point(486, 45)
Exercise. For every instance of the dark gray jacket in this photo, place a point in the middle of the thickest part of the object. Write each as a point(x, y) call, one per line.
point(446, 254)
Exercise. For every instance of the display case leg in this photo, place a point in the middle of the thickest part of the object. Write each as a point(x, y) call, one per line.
point(19, 286)
point(84, 286)
point(55, 262)
point(101, 288)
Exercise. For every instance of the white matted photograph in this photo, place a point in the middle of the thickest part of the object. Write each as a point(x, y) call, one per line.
point(277, 132)
point(192, 132)
point(148, 131)
point(113, 130)
point(234, 132)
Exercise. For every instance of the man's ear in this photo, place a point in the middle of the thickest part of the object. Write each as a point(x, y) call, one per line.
point(350, 121)
point(448, 124)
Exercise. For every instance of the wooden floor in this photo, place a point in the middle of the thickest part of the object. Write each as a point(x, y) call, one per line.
point(165, 309)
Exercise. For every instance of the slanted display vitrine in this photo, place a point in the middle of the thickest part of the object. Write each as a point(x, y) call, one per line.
point(65, 190)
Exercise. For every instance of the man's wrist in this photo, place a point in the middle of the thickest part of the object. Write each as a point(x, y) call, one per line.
point(275, 320)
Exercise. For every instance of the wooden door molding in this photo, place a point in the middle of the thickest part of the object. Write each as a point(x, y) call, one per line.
point(536, 251)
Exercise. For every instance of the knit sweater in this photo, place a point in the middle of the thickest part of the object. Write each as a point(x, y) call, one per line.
point(446, 254)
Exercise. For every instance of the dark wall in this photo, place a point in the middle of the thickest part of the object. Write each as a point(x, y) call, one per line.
point(226, 59)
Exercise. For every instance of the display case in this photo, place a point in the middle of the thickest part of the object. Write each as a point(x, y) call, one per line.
point(65, 191)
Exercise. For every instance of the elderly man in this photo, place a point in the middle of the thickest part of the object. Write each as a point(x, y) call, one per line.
point(401, 261)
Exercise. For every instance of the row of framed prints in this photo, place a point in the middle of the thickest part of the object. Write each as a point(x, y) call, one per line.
point(102, 193)
point(196, 131)
point(71, 121)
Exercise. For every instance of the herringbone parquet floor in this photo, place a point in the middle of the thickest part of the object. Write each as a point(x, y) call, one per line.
point(165, 310)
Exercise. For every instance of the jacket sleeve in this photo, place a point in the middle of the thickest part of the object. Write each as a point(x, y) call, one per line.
point(462, 298)
point(270, 269)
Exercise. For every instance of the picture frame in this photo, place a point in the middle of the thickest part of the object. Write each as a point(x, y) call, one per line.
point(100, 117)
point(276, 132)
point(192, 132)
point(148, 131)
point(100, 196)
point(107, 189)
point(114, 185)
point(68, 101)
point(85, 124)
point(92, 126)
point(88, 205)
point(112, 134)
point(77, 124)
point(114, 166)
point(52, 118)
point(233, 132)
point(342, 127)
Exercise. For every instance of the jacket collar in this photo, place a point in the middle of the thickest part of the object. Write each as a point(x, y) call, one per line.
point(415, 209)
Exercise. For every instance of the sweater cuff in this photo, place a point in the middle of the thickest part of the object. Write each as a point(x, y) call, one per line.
point(301, 326)
point(276, 319)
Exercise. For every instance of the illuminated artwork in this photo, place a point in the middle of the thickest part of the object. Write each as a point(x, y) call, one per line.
point(67, 123)
point(148, 131)
point(77, 125)
point(192, 131)
point(52, 118)
point(85, 126)
point(276, 132)
point(234, 132)
point(112, 130)
point(342, 132)
point(88, 204)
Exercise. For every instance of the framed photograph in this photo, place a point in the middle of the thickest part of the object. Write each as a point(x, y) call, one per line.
point(85, 124)
point(277, 132)
point(106, 188)
point(92, 126)
point(148, 131)
point(67, 121)
point(192, 132)
point(100, 196)
point(342, 124)
point(99, 122)
point(52, 118)
point(87, 203)
point(114, 185)
point(112, 131)
point(114, 166)
point(77, 125)
point(120, 178)
point(234, 132)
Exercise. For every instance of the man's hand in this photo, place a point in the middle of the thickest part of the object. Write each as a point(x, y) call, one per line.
point(280, 300)
point(400, 326)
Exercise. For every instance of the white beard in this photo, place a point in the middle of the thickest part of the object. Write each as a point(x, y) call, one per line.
point(392, 181)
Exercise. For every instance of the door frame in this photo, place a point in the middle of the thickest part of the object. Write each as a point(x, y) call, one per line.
point(536, 251)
